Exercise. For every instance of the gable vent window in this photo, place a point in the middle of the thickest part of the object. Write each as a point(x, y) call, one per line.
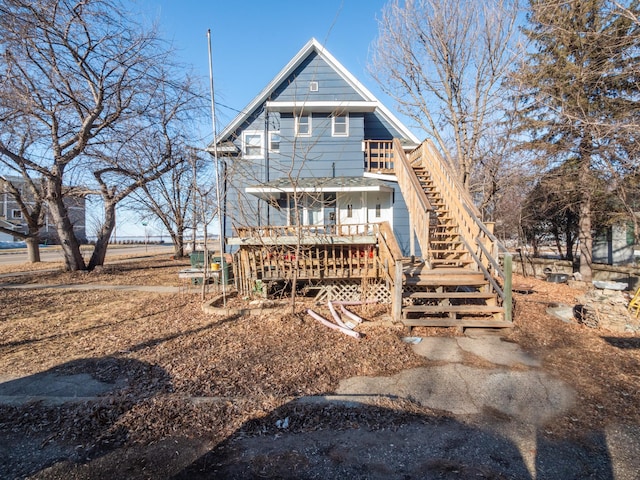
point(313, 86)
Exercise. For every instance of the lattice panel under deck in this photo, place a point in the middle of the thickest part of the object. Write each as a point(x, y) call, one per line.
point(348, 290)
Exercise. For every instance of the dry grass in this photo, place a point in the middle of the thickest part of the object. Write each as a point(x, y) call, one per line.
point(166, 353)
point(172, 351)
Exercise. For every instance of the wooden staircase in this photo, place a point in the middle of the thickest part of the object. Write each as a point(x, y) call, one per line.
point(459, 281)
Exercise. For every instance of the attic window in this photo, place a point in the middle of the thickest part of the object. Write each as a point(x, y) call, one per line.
point(313, 86)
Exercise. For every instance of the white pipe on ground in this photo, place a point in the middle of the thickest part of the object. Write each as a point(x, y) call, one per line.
point(337, 318)
point(351, 315)
point(327, 323)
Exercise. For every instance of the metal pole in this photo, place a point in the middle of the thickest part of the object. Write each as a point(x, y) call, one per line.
point(215, 156)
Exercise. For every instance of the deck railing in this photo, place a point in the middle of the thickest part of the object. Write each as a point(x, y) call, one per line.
point(390, 260)
point(270, 232)
point(307, 252)
point(378, 156)
point(416, 199)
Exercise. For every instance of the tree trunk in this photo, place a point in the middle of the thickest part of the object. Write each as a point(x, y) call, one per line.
point(33, 249)
point(178, 244)
point(585, 236)
point(104, 235)
point(586, 241)
point(73, 260)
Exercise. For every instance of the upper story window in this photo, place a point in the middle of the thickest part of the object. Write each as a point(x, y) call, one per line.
point(253, 144)
point(340, 125)
point(313, 86)
point(274, 141)
point(16, 213)
point(303, 125)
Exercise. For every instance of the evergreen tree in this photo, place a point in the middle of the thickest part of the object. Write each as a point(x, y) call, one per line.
point(579, 94)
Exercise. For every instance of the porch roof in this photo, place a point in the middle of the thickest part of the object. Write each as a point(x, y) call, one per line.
point(272, 190)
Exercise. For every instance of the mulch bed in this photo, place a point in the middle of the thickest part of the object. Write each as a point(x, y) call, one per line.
point(182, 372)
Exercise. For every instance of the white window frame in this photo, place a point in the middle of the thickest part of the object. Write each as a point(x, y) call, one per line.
point(298, 117)
point(16, 214)
point(346, 125)
point(313, 86)
point(271, 134)
point(257, 133)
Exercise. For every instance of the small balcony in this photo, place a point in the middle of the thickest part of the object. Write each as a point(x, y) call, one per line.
point(378, 157)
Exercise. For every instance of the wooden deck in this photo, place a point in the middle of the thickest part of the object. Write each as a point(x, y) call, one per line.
point(284, 254)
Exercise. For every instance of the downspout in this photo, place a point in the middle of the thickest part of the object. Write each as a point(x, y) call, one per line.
point(267, 148)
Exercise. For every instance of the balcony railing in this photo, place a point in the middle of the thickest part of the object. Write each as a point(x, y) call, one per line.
point(378, 156)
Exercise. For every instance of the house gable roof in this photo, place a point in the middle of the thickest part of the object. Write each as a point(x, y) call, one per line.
point(314, 46)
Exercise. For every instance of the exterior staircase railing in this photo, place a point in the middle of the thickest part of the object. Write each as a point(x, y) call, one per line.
point(479, 241)
point(390, 258)
point(416, 199)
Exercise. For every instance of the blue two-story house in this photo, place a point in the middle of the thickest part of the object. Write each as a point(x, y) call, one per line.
point(326, 190)
point(303, 146)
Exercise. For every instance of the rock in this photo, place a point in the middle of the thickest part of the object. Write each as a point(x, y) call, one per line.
point(606, 309)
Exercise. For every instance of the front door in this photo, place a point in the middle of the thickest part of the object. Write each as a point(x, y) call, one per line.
point(351, 209)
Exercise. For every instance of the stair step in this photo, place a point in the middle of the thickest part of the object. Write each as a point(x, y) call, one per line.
point(443, 295)
point(447, 281)
point(450, 322)
point(466, 309)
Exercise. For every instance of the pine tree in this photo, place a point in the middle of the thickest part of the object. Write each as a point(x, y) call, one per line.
point(579, 93)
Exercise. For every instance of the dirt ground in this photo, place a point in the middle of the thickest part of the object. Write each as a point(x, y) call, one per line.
point(202, 396)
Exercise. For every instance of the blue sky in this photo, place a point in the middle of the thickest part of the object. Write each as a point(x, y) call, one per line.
point(252, 40)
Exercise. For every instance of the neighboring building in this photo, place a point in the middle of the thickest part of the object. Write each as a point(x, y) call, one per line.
point(614, 245)
point(308, 134)
point(11, 215)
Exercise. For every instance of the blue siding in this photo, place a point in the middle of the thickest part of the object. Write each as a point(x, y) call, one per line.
point(331, 86)
point(320, 155)
point(377, 128)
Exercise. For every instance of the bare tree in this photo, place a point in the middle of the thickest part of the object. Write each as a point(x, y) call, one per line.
point(87, 81)
point(444, 62)
point(169, 199)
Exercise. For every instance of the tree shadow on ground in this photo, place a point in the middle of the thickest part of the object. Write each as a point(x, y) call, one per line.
point(69, 413)
point(329, 440)
point(625, 343)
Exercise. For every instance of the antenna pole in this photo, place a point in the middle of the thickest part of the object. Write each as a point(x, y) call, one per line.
point(223, 261)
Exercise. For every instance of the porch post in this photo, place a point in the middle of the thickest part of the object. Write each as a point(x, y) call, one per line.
point(396, 295)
